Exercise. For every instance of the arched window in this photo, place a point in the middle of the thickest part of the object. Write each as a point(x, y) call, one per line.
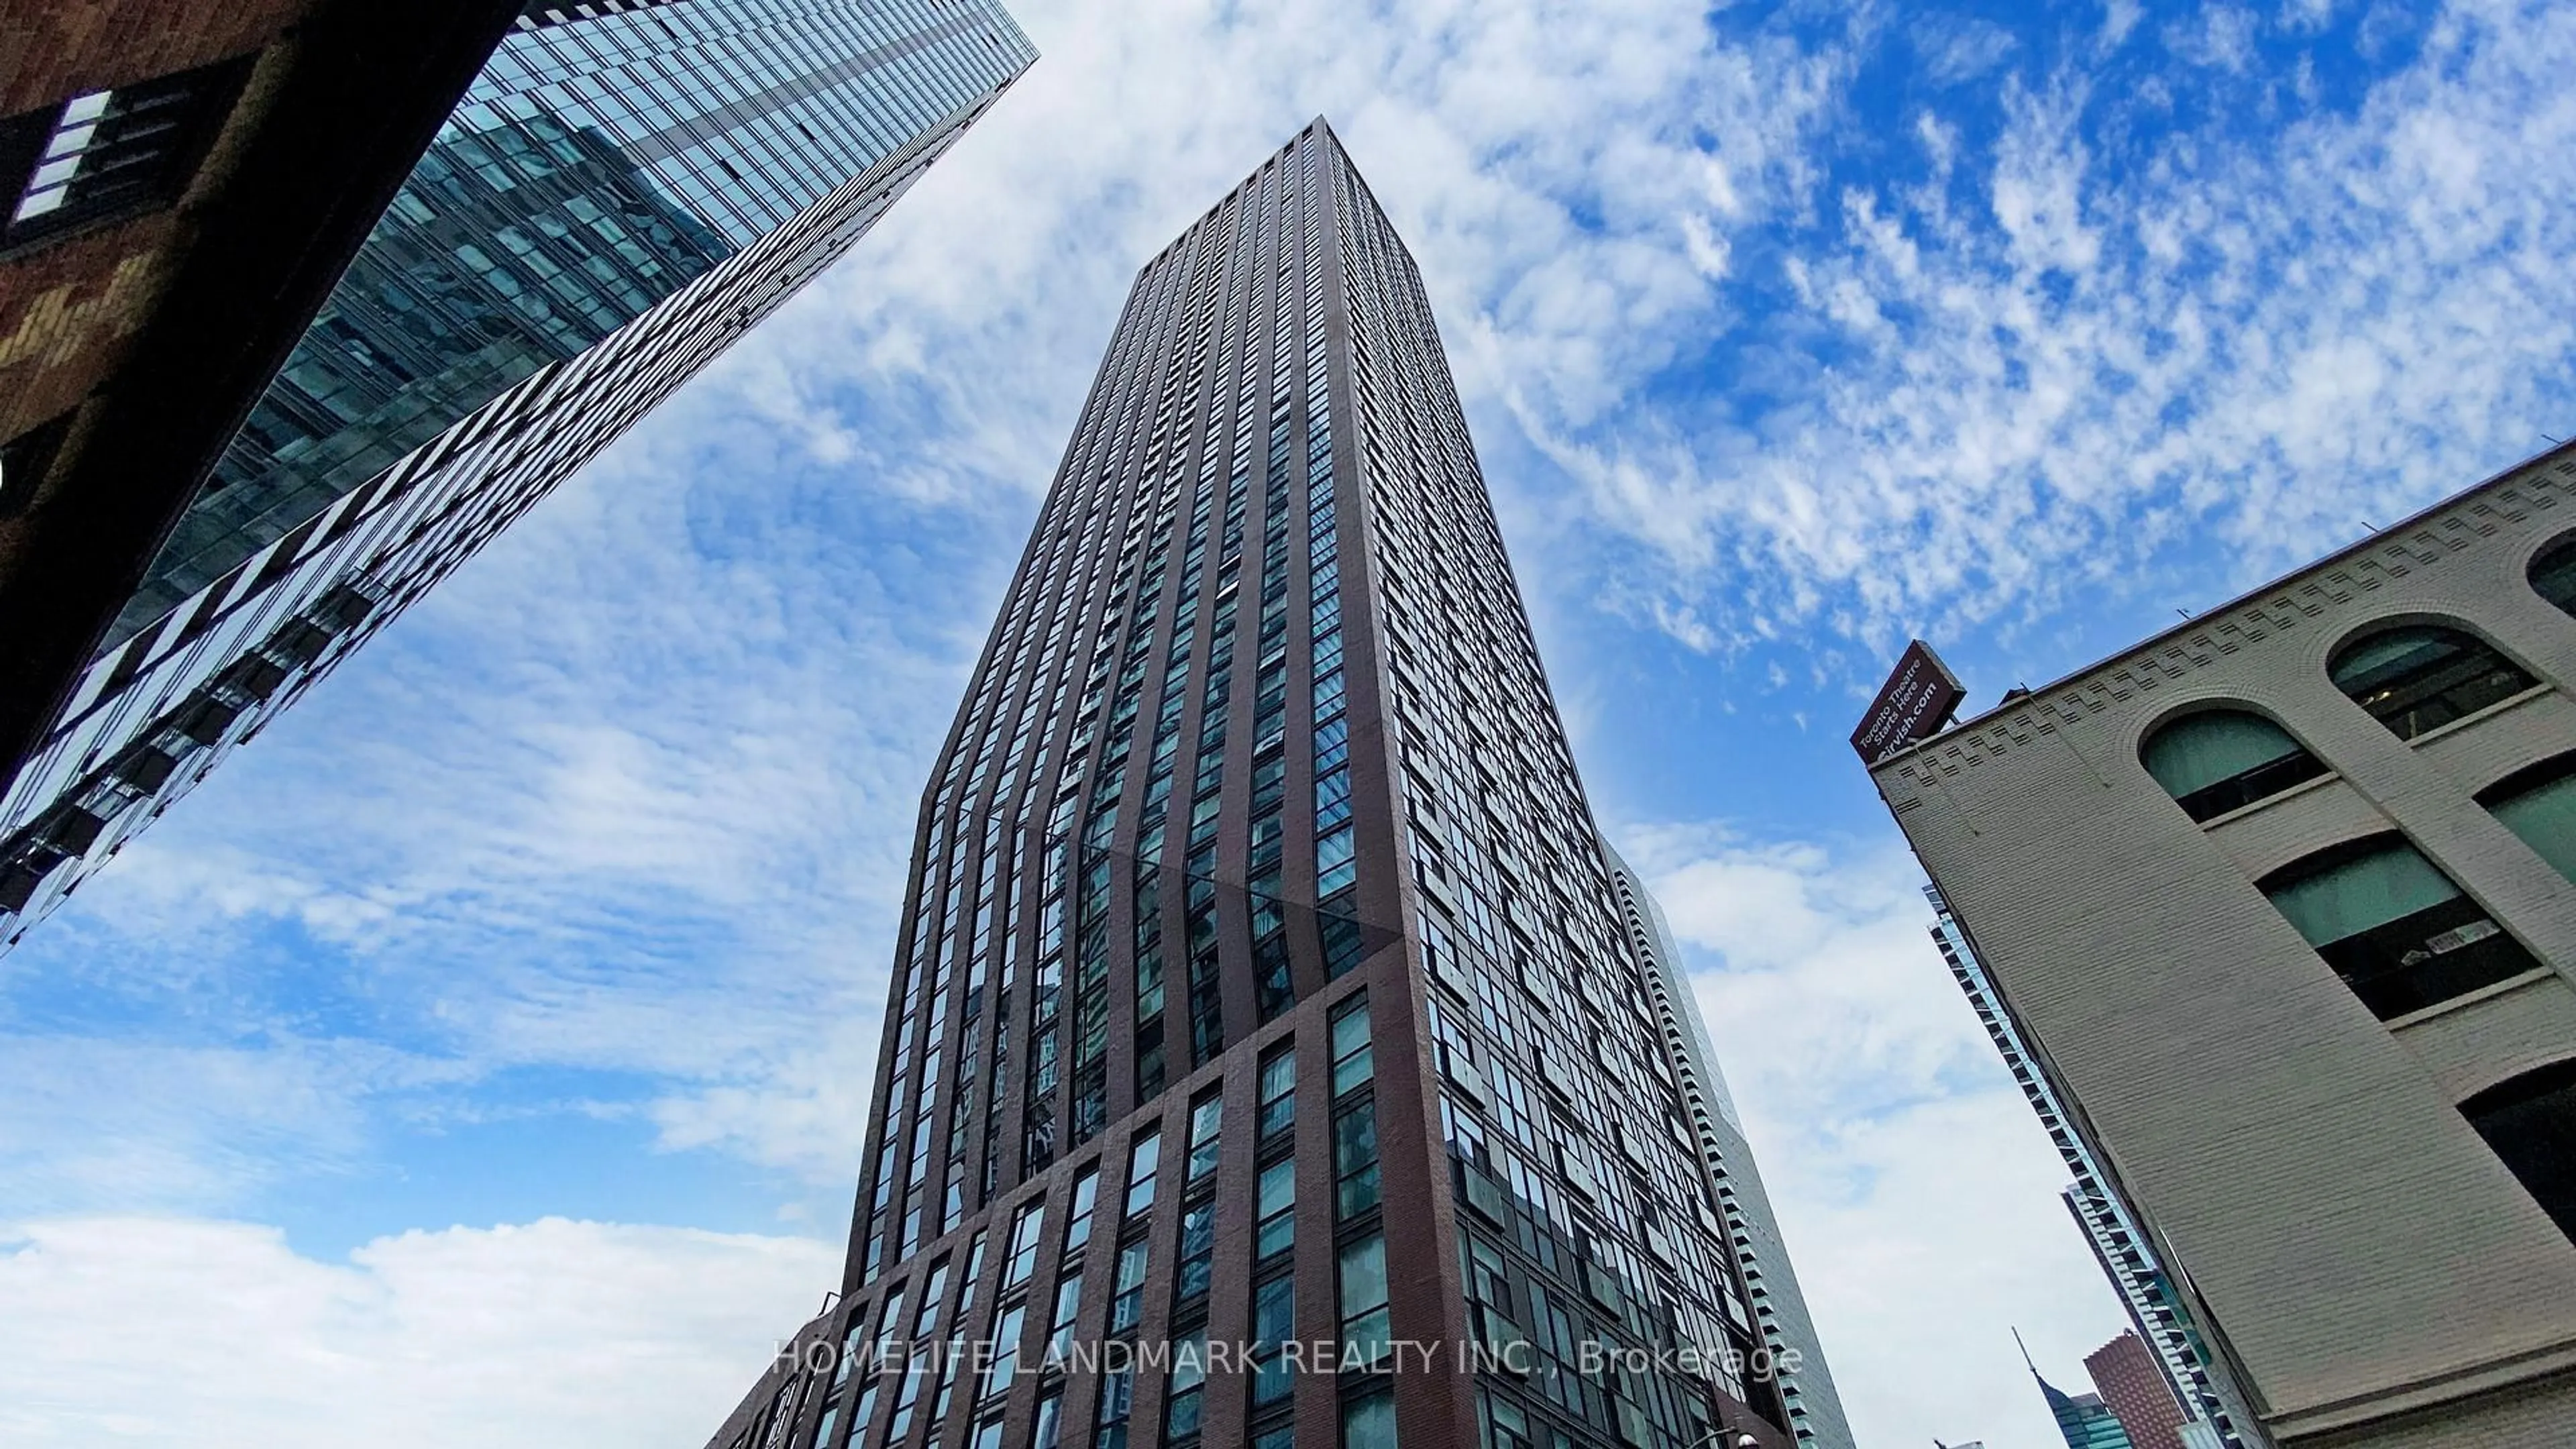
point(2219, 759)
point(2539, 804)
point(2530, 1121)
point(2553, 574)
point(2423, 676)
point(2395, 928)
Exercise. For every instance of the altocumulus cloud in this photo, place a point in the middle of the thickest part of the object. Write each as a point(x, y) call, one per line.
point(2117, 306)
point(1767, 346)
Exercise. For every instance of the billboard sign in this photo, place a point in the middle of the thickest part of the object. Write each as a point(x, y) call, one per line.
point(1918, 699)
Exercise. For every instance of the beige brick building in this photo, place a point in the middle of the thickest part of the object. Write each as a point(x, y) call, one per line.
point(2281, 898)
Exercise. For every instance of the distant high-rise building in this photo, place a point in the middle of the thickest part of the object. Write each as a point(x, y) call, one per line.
point(2128, 1377)
point(2198, 1434)
point(2084, 1419)
point(2279, 903)
point(627, 186)
point(2190, 1371)
point(1267, 1061)
point(1779, 1308)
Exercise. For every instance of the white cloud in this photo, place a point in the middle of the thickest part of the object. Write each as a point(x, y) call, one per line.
point(2060, 366)
point(160, 1330)
point(2221, 36)
point(633, 792)
point(1956, 48)
point(149, 1125)
point(2119, 17)
point(803, 1109)
point(1918, 1193)
point(2305, 17)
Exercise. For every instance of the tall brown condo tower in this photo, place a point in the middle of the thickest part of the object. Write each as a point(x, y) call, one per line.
point(1267, 1062)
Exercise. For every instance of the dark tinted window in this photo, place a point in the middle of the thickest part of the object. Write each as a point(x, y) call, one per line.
point(2423, 676)
point(2553, 574)
point(2393, 926)
point(110, 153)
point(2531, 1123)
point(2539, 805)
point(2215, 761)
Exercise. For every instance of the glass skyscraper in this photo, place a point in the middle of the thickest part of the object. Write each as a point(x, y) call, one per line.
point(627, 187)
point(1778, 1307)
point(2084, 1419)
point(1266, 1060)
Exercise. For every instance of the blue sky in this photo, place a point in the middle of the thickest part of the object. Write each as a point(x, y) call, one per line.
point(481, 1056)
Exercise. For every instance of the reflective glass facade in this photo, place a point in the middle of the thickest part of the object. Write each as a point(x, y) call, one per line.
point(620, 196)
point(598, 165)
point(2084, 1419)
point(1266, 1060)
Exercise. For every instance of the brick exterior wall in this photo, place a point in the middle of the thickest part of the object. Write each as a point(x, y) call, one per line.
point(69, 306)
point(62, 48)
point(2374, 1270)
point(2126, 1375)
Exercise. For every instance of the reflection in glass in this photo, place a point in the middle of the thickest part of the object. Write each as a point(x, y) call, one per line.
point(2393, 926)
point(2221, 759)
point(2424, 676)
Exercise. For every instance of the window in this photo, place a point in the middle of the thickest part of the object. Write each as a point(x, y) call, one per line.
point(1117, 1398)
point(1355, 1159)
point(1352, 1063)
point(2393, 926)
point(2553, 574)
point(1005, 1358)
point(1274, 1323)
point(2217, 760)
point(1025, 1228)
point(1184, 1392)
point(1368, 1421)
point(2423, 676)
point(1046, 1427)
point(907, 1393)
point(1198, 1250)
point(1278, 1110)
point(1128, 1306)
point(861, 1411)
point(891, 1326)
point(850, 1347)
point(1142, 1161)
point(2539, 804)
point(2530, 1121)
point(934, 1297)
point(1276, 1209)
point(111, 153)
point(1086, 1196)
point(1205, 1116)
point(1068, 1300)
point(1362, 1282)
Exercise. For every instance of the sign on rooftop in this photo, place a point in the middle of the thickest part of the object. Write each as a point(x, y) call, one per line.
point(1918, 699)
